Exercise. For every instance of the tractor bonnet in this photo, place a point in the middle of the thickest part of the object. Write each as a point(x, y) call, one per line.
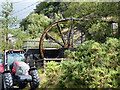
point(20, 68)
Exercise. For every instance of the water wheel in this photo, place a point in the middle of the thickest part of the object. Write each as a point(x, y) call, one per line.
point(63, 34)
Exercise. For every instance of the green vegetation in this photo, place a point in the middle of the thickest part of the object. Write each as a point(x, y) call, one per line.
point(7, 21)
point(100, 17)
point(35, 24)
point(9, 30)
point(92, 65)
point(50, 9)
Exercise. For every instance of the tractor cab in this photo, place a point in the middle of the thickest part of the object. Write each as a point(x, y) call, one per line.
point(10, 57)
point(14, 56)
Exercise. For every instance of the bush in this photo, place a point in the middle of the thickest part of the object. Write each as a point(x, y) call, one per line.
point(92, 65)
point(95, 65)
point(100, 30)
point(52, 74)
point(69, 78)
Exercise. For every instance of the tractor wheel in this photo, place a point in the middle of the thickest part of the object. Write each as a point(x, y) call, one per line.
point(22, 85)
point(35, 79)
point(7, 80)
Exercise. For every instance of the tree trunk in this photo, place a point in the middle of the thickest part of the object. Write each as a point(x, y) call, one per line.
point(6, 33)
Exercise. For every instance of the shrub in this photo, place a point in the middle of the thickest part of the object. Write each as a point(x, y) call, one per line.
point(95, 65)
point(69, 77)
point(92, 65)
point(52, 72)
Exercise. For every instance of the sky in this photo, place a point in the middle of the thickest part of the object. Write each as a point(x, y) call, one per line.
point(22, 8)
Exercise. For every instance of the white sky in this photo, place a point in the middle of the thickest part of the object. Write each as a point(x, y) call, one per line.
point(22, 8)
point(20, 0)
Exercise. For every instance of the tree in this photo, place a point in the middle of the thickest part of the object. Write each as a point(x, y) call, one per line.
point(98, 14)
point(19, 36)
point(92, 9)
point(8, 21)
point(50, 8)
point(119, 20)
point(0, 38)
point(35, 24)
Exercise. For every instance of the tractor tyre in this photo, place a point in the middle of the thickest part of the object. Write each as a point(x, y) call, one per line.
point(35, 79)
point(7, 80)
point(22, 85)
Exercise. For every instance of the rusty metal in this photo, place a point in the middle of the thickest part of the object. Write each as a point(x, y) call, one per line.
point(68, 46)
point(64, 45)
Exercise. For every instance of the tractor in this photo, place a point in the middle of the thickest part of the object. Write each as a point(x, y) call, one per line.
point(15, 72)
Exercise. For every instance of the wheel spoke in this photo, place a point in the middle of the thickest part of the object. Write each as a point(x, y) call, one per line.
point(69, 33)
point(55, 40)
point(61, 33)
point(72, 33)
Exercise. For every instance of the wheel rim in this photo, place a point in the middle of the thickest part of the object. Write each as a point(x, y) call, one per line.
point(69, 43)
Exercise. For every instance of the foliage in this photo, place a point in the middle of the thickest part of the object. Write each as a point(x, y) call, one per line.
point(0, 40)
point(35, 24)
point(52, 71)
point(67, 54)
point(52, 74)
point(100, 31)
point(50, 8)
point(7, 22)
point(70, 77)
point(80, 9)
point(98, 65)
point(92, 65)
point(100, 15)
point(92, 9)
point(7, 19)
point(19, 37)
point(97, 27)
